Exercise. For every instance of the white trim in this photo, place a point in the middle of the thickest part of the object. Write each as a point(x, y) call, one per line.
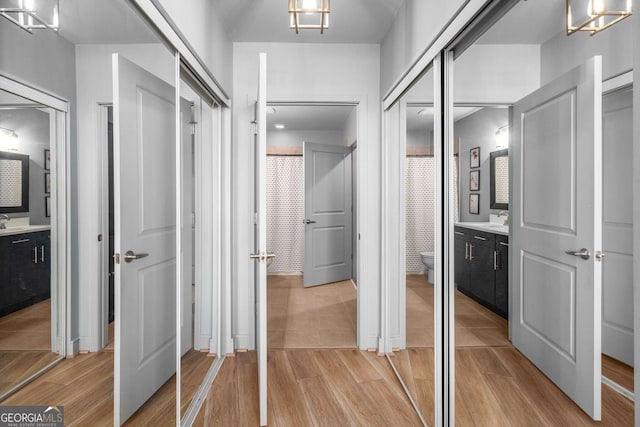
point(618, 388)
point(178, 244)
point(102, 338)
point(457, 24)
point(367, 312)
point(59, 122)
point(617, 82)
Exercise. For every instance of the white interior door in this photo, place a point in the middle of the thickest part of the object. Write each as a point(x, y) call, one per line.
point(145, 235)
point(557, 208)
point(260, 249)
point(617, 209)
point(327, 207)
point(186, 315)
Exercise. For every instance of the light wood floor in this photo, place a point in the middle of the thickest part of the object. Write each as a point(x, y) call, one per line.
point(25, 344)
point(27, 329)
point(499, 387)
point(84, 385)
point(317, 317)
point(476, 326)
point(328, 387)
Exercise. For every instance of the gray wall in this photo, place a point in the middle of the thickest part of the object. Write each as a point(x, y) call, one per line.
point(294, 138)
point(561, 53)
point(478, 130)
point(47, 61)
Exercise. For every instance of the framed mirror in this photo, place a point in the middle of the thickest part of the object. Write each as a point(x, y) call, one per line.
point(14, 191)
point(499, 197)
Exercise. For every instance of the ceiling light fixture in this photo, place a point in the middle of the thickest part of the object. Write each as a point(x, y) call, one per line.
point(279, 126)
point(271, 110)
point(596, 15)
point(309, 15)
point(8, 139)
point(31, 14)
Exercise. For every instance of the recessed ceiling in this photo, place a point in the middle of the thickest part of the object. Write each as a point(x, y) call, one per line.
point(528, 22)
point(312, 118)
point(100, 21)
point(351, 21)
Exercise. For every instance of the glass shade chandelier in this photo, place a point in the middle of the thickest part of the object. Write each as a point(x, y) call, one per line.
point(309, 15)
point(31, 14)
point(595, 15)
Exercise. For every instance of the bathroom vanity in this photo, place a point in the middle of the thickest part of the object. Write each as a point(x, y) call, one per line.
point(25, 261)
point(481, 264)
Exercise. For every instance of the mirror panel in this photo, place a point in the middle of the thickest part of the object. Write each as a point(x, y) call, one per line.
point(14, 176)
point(499, 179)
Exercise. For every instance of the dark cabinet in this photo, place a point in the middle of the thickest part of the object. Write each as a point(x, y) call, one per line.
point(481, 268)
point(25, 273)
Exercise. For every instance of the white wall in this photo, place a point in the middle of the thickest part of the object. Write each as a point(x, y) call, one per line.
point(308, 72)
point(478, 130)
point(94, 87)
point(561, 53)
point(200, 23)
point(350, 130)
point(418, 22)
point(294, 138)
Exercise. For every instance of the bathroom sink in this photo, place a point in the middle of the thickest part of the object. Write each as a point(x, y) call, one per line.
point(23, 229)
point(491, 227)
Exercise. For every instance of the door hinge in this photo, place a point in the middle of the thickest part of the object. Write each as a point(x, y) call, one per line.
point(193, 307)
point(193, 219)
point(99, 237)
point(254, 127)
point(255, 218)
point(116, 258)
point(193, 127)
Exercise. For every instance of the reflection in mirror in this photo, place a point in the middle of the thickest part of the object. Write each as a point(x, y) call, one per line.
point(75, 64)
point(27, 312)
point(500, 179)
point(14, 183)
point(414, 362)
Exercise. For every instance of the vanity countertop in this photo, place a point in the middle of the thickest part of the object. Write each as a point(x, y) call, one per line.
point(10, 231)
point(489, 227)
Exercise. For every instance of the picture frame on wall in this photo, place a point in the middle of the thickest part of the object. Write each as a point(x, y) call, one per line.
point(474, 180)
point(474, 157)
point(47, 159)
point(47, 206)
point(47, 183)
point(474, 204)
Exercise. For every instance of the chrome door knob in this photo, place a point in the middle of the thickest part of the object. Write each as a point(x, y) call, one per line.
point(130, 256)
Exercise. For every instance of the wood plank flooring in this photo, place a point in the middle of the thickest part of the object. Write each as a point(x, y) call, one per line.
point(618, 372)
point(316, 317)
point(328, 387)
point(25, 344)
point(84, 385)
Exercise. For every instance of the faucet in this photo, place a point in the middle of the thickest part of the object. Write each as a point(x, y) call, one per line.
point(3, 224)
point(504, 214)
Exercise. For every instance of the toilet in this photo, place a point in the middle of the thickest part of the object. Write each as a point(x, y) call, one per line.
point(427, 260)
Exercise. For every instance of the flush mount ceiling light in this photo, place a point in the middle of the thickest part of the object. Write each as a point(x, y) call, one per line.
point(595, 15)
point(31, 14)
point(279, 126)
point(309, 15)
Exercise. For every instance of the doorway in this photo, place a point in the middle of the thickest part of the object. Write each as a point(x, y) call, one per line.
point(317, 309)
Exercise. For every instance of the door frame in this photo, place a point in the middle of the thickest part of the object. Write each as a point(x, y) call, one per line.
point(60, 137)
point(364, 291)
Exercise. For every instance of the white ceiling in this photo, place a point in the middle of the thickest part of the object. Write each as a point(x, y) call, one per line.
point(528, 22)
point(314, 118)
point(102, 21)
point(351, 21)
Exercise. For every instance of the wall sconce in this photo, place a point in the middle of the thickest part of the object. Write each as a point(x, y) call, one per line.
point(8, 140)
point(31, 14)
point(309, 15)
point(596, 15)
point(502, 137)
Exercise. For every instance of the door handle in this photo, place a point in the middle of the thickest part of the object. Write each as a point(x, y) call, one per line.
point(308, 221)
point(130, 256)
point(495, 260)
point(261, 256)
point(42, 253)
point(582, 253)
point(35, 255)
point(470, 252)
